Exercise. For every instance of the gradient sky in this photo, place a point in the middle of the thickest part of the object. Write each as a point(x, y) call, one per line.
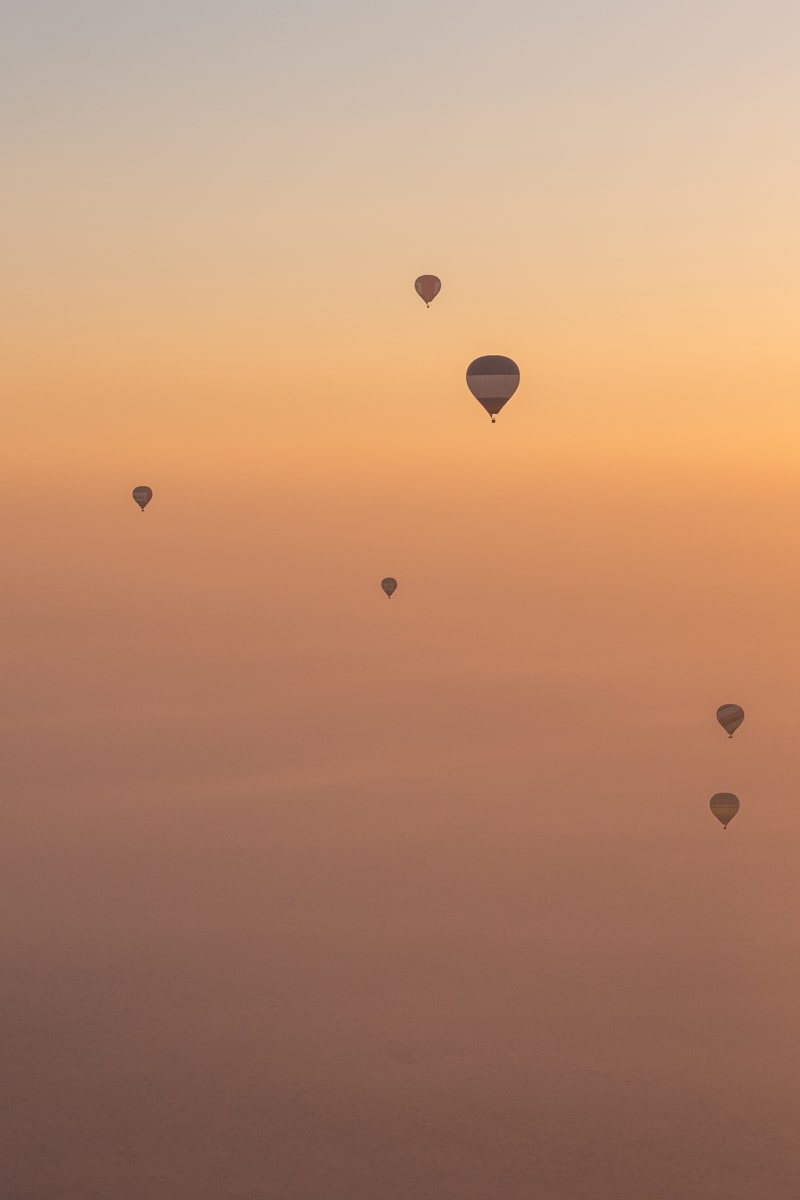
point(313, 895)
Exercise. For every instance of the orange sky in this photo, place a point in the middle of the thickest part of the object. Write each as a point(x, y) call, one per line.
point(337, 896)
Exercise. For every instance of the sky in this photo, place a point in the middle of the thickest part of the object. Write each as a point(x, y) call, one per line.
point(313, 894)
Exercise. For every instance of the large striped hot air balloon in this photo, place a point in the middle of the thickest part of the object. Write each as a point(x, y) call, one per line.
point(493, 380)
point(724, 806)
point(730, 717)
point(428, 287)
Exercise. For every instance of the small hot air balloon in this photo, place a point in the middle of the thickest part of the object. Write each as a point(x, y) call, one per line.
point(389, 585)
point(142, 495)
point(724, 806)
point(493, 380)
point(428, 287)
point(730, 717)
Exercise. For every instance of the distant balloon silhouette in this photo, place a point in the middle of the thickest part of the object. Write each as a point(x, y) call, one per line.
point(724, 806)
point(428, 287)
point(389, 585)
point(142, 495)
point(730, 717)
point(493, 380)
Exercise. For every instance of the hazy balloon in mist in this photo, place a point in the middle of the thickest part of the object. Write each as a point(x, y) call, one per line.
point(730, 717)
point(142, 495)
point(724, 806)
point(428, 287)
point(493, 380)
point(389, 585)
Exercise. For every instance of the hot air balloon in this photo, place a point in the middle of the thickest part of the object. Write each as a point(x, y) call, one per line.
point(493, 380)
point(428, 287)
point(724, 806)
point(730, 717)
point(389, 585)
point(142, 495)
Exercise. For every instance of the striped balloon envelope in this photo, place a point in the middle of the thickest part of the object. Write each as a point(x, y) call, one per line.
point(724, 806)
point(730, 717)
point(493, 380)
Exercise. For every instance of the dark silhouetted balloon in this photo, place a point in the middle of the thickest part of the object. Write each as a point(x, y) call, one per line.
point(730, 717)
point(142, 495)
point(389, 585)
point(493, 380)
point(724, 806)
point(428, 287)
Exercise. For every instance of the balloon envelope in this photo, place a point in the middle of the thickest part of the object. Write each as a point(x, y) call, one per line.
point(724, 806)
point(389, 585)
point(142, 495)
point(493, 380)
point(428, 287)
point(730, 717)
